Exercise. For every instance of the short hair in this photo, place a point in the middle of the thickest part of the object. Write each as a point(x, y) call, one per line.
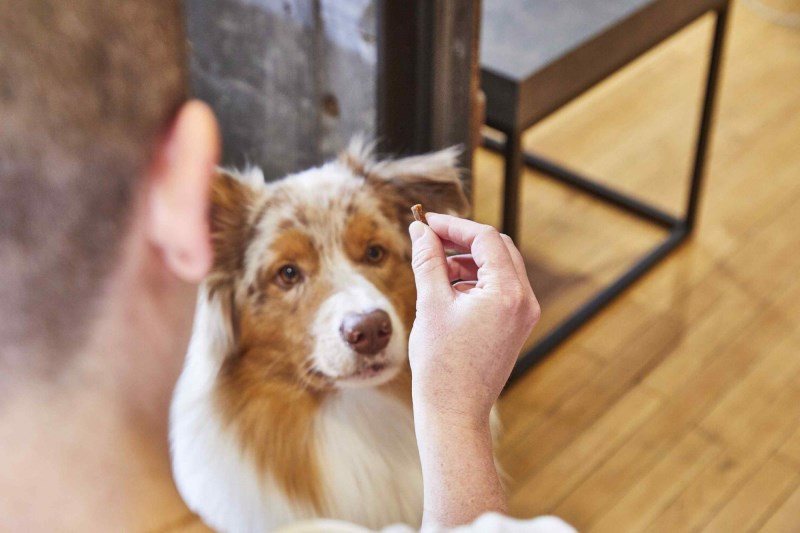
point(87, 89)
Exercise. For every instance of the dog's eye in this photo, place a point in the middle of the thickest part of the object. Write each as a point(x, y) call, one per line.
point(288, 275)
point(374, 254)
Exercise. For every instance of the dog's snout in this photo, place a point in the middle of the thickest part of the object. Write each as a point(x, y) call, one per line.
point(367, 333)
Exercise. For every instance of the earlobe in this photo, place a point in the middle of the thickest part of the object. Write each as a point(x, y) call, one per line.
point(179, 183)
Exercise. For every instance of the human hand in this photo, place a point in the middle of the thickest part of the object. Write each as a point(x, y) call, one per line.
point(466, 337)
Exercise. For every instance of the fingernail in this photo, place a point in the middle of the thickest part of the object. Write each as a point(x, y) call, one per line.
point(416, 230)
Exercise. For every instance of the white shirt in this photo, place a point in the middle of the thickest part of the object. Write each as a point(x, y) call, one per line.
point(487, 523)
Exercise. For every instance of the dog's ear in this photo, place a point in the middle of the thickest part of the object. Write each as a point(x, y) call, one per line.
point(232, 202)
point(432, 180)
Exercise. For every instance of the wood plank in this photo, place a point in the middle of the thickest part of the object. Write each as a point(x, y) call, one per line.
point(790, 451)
point(654, 491)
point(698, 501)
point(751, 505)
point(624, 316)
point(688, 403)
point(525, 406)
point(763, 409)
point(697, 504)
point(763, 428)
point(786, 518)
point(639, 351)
point(577, 412)
point(543, 490)
point(616, 476)
point(747, 277)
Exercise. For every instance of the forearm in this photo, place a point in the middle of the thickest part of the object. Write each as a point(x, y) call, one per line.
point(459, 474)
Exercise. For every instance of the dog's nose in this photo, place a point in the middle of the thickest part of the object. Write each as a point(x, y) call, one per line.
point(367, 333)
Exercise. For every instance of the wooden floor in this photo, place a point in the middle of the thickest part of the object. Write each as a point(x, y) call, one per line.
point(676, 409)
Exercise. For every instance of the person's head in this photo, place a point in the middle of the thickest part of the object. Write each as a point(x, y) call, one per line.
point(104, 167)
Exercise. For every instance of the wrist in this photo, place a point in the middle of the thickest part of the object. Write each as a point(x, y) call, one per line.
point(460, 479)
point(440, 422)
point(444, 407)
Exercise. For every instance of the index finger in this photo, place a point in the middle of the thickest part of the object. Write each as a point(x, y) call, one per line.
point(488, 249)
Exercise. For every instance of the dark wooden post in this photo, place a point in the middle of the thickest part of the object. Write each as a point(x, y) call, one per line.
point(427, 74)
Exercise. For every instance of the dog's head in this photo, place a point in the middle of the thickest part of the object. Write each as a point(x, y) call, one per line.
point(313, 272)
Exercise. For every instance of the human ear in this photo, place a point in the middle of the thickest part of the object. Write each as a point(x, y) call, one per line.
point(178, 191)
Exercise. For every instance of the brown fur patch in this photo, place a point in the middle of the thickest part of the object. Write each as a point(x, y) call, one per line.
point(231, 230)
point(270, 406)
point(295, 246)
point(266, 388)
point(274, 419)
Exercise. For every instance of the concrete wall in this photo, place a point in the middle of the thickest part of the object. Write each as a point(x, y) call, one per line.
point(290, 80)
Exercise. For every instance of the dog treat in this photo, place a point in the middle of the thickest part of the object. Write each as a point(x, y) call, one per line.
point(419, 214)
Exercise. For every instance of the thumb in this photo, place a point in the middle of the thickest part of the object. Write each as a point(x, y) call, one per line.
point(429, 263)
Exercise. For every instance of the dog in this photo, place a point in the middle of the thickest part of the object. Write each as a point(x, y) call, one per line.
point(295, 398)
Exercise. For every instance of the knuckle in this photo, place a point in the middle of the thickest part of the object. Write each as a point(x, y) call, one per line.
point(521, 302)
point(530, 310)
point(489, 231)
point(486, 231)
point(425, 261)
point(535, 313)
point(514, 300)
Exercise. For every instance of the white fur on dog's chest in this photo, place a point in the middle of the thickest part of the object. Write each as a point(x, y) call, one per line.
point(369, 463)
point(369, 458)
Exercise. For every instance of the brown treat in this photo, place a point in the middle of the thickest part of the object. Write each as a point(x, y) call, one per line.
point(419, 214)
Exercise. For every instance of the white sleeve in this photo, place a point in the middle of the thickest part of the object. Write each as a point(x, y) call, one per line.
point(498, 523)
point(323, 526)
point(487, 523)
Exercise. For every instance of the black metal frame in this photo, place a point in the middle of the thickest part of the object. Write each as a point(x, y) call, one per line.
point(679, 228)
